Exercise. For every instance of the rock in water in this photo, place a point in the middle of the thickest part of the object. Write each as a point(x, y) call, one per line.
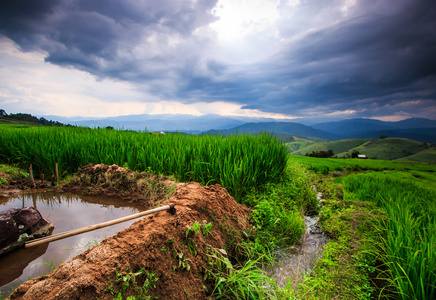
point(18, 225)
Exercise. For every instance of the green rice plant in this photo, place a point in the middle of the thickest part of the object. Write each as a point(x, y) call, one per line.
point(409, 243)
point(238, 163)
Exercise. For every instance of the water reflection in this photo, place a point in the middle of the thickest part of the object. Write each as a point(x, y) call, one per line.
point(66, 211)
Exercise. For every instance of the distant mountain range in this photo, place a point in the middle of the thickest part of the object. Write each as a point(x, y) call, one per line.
point(277, 127)
point(423, 130)
point(163, 122)
point(347, 129)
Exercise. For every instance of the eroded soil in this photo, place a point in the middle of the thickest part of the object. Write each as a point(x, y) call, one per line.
point(159, 244)
point(16, 183)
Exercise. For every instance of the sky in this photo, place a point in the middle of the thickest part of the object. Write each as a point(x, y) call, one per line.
point(284, 59)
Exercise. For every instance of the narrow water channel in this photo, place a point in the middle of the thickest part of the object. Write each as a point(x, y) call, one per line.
point(66, 211)
point(295, 263)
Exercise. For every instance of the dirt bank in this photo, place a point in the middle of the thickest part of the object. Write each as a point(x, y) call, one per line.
point(120, 182)
point(159, 246)
point(11, 184)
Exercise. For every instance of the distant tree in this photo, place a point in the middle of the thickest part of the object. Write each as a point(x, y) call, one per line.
point(321, 154)
point(31, 119)
point(354, 154)
point(383, 136)
point(109, 128)
point(3, 113)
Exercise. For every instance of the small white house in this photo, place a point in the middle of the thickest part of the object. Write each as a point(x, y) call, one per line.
point(362, 156)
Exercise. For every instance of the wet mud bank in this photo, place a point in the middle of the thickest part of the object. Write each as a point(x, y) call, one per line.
point(159, 251)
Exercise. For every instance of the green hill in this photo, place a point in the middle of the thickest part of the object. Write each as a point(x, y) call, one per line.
point(276, 127)
point(26, 120)
point(302, 142)
point(427, 155)
point(337, 146)
point(15, 123)
point(388, 149)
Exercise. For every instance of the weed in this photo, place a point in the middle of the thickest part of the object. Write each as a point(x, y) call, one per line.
point(249, 282)
point(183, 261)
point(88, 245)
point(129, 280)
point(51, 266)
point(194, 228)
point(207, 228)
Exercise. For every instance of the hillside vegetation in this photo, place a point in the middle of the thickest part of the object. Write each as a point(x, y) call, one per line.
point(337, 146)
point(386, 149)
point(389, 148)
point(427, 155)
point(20, 119)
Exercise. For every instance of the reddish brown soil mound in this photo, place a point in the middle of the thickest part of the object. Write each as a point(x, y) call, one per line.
point(157, 244)
point(121, 182)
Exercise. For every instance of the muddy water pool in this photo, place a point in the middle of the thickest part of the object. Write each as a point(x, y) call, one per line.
point(66, 211)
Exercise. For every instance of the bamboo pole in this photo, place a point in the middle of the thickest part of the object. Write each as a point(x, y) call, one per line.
point(57, 173)
point(66, 234)
point(32, 180)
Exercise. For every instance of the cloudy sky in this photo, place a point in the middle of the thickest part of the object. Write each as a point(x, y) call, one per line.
point(273, 58)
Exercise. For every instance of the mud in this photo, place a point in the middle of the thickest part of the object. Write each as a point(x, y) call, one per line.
point(155, 244)
point(17, 183)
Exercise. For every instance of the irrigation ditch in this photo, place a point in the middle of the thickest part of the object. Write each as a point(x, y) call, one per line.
point(297, 262)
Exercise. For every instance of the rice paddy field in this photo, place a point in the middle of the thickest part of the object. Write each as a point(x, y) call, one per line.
point(406, 193)
point(391, 204)
point(238, 163)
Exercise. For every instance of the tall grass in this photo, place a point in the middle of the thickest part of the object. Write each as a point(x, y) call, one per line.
point(409, 242)
point(238, 163)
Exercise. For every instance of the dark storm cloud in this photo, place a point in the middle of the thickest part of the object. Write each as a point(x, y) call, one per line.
point(100, 36)
point(372, 57)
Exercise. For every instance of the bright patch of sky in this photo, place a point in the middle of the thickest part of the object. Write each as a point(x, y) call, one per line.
point(238, 19)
